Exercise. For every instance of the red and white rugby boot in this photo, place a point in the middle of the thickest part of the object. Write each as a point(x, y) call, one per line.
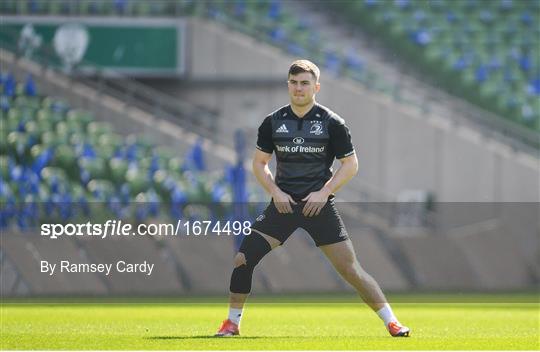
point(397, 330)
point(228, 328)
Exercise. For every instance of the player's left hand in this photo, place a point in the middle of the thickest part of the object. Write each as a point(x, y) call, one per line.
point(315, 201)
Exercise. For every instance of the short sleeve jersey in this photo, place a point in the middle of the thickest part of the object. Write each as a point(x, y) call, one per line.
point(305, 147)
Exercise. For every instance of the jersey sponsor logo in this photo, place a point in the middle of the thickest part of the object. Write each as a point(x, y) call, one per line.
point(299, 149)
point(298, 140)
point(282, 129)
point(260, 217)
point(316, 129)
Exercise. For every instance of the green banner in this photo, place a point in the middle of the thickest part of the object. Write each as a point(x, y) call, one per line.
point(133, 46)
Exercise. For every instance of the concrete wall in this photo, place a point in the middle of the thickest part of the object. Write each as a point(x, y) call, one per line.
point(398, 148)
point(216, 54)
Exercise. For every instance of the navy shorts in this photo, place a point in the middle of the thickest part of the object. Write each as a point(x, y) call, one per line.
point(325, 228)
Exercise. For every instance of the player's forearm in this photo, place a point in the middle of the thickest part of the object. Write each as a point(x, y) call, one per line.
point(264, 176)
point(344, 174)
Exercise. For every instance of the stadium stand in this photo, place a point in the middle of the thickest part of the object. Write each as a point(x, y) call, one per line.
point(57, 162)
point(484, 51)
point(60, 164)
point(270, 21)
point(487, 55)
point(63, 158)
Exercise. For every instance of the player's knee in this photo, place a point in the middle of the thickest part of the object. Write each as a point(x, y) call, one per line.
point(358, 273)
point(239, 259)
point(254, 247)
point(349, 271)
point(252, 250)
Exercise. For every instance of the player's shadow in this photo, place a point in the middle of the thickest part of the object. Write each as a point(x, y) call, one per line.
point(207, 337)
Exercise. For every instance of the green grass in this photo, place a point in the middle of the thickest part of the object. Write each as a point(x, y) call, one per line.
point(277, 326)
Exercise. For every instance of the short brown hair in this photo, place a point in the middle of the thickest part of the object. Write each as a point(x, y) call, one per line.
point(300, 66)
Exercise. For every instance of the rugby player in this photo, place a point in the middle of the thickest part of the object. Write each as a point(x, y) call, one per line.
point(306, 138)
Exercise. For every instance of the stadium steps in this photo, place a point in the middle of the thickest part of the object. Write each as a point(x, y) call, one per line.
point(495, 258)
point(518, 220)
point(377, 260)
point(370, 230)
point(438, 264)
point(298, 266)
point(11, 281)
point(206, 262)
point(164, 279)
point(27, 251)
point(484, 255)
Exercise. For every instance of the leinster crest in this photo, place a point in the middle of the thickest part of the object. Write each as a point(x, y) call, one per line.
point(316, 128)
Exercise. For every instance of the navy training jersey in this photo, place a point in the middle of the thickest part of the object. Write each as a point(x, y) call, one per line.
point(305, 147)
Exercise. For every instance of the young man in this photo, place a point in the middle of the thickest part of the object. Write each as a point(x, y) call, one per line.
point(306, 138)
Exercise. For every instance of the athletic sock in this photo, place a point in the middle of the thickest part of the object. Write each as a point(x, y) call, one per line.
point(235, 314)
point(386, 314)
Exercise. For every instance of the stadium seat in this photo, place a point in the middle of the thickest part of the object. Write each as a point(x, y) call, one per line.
point(137, 180)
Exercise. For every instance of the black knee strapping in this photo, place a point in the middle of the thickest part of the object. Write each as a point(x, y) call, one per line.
point(254, 247)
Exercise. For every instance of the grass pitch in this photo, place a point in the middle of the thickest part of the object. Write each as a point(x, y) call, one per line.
point(265, 326)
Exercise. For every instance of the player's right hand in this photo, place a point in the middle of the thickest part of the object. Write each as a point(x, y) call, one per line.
point(282, 201)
